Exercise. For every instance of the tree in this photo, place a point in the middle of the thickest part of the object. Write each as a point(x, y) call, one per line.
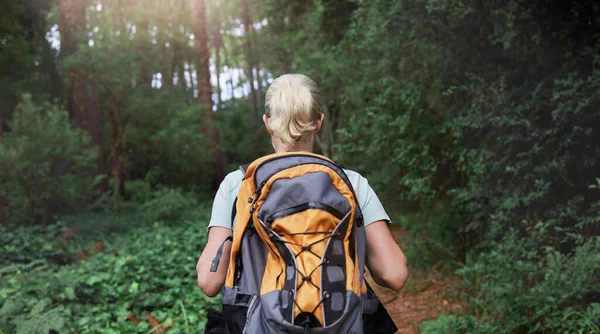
point(84, 92)
point(204, 88)
point(217, 43)
point(4, 222)
point(249, 69)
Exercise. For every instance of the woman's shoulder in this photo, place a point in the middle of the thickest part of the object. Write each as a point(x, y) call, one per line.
point(232, 180)
point(357, 180)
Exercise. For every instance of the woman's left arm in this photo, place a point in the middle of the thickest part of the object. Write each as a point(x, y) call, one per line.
point(212, 282)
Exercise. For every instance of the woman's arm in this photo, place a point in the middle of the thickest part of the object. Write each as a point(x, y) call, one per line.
point(212, 282)
point(385, 260)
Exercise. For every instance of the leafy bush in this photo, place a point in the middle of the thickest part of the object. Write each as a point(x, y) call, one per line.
point(500, 123)
point(169, 204)
point(523, 285)
point(146, 275)
point(453, 324)
point(431, 239)
point(169, 143)
point(242, 142)
point(23, 245)
point(46, 165)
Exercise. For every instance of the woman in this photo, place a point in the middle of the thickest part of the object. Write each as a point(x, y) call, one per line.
point(294, 116)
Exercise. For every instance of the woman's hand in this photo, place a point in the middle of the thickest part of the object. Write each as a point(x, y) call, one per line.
point(385, 260)
point(212, 282)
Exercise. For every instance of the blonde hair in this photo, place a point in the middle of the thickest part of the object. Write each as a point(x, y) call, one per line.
point(293, 104)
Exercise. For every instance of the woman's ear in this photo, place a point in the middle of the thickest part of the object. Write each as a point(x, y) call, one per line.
point(319, 122)
point(266, 121)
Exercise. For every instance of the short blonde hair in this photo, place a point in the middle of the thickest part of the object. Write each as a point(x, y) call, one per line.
point(293, 104)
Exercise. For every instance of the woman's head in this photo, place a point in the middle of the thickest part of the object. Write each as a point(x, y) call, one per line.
point(294, 110)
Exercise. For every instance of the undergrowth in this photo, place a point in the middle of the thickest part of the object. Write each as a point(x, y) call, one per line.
point(106, 272)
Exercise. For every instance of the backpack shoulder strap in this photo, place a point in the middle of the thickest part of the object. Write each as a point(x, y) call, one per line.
point(243, 169)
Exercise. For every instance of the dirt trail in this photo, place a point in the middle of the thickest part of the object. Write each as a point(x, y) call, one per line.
point(425, 296)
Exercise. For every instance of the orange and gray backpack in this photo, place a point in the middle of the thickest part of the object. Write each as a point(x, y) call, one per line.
point(298, 252)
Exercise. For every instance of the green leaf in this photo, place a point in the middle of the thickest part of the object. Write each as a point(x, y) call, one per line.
point(133, 288)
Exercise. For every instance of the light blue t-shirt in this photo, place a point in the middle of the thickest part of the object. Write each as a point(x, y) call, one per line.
point(368, 201)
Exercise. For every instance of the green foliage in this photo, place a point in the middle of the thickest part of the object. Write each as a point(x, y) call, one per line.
point(168, 137)
point(46, 166)
point(453, 324)
point(477, 130)
point(147, 269)
point(169, 204)
point(480, 117)
point(242, 142)
point(28, 245)
point(26, 58)
point(431, 240)
point(550, 284)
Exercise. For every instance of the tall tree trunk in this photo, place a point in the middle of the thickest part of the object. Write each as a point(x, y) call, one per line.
point(204, 89)
point(259, 87)
point(144, 76)
point(217, 41)
point(86, 113)
point(178, 47)
point(227, 62)
point(49, 65)
point(4, 222)
point(178, 66)
point(169, 70)
point(257, 68)
point(249, 69)
point(117, 149)
point(191, 71)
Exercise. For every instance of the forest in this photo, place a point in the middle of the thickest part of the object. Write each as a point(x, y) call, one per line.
point(476, 122)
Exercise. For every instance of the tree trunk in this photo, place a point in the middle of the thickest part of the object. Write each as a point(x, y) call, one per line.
point(249, 69)
point(85, 109)
point(259, 87)
point(217, 42)
point(117, 149)
point(169, 69)
point(3, 209)
point(49, 65)
point(144, 77)
point(179, 42)
point(177, 66)
point(229, 67)
point(191, 71)
point(256, 64)
point(4, 221)
point(204, 89)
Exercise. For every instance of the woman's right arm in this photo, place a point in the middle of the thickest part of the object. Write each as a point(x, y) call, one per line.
point(385, 260)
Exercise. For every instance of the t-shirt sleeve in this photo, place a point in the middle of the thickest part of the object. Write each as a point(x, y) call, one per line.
point(371, 207)
point(223, 203)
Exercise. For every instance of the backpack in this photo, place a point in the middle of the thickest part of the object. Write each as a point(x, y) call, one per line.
point(298, 252)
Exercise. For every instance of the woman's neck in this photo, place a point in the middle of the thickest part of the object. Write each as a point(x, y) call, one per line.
point(300, 146)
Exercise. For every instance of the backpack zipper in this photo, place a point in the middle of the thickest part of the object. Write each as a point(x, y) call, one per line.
point(255, 195)
point(302, 207)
